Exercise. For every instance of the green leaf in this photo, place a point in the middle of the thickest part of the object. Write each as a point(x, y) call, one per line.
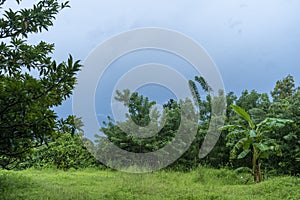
point(247, 143)
point(252, 133)
point(229, 127)
point(241, 112)
point(264, 154)
point(235, 133)
point(244, 154)
point(262, 147)
point(243, 169)
point(273, 123)
point(240, 144)
point(278, 150)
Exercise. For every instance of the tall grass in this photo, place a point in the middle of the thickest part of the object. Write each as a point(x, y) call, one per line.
point(202, 183)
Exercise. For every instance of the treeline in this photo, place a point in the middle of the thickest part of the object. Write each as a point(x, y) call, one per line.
point(283, 103)
point(67, 151)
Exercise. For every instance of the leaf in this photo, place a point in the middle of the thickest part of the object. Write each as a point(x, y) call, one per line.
point(244, 154)
point(70, 61)
point(240, 144)
point(273, 123)
point(278, 150)
point(203, 83)
point(290, 137)
point(264, 154)
point(262, 147)
point(243, 169)
point(252, 134)
point(241, 112)
point(235, 133)
point(229, 127)
point(247, 143)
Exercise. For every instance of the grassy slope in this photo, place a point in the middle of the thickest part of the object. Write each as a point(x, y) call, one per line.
point(99, 184)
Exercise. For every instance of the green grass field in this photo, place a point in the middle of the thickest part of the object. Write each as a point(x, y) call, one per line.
point(106, 184)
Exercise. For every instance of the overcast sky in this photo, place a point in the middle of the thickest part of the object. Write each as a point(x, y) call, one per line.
point(253, 43)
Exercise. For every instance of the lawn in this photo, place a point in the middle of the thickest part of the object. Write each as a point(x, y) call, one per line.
point(202, 183)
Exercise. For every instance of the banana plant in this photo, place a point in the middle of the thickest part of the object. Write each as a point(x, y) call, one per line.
point(253, 139)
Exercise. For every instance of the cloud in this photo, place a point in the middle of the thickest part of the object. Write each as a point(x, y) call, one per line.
point(254, 43)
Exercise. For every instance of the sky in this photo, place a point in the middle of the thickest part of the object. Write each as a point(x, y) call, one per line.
point(253, 43)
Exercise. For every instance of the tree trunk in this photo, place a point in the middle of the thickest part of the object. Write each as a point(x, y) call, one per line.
point(257, 172)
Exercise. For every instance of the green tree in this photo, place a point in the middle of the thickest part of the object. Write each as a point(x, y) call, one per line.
point(27, 119)
point(218, 156)
point(139, 115)
point(160, 131)
point(204, 105)
point(127, 134)
point(289, 137)
point(254, 139)
point(139, 108)
point(284, 88)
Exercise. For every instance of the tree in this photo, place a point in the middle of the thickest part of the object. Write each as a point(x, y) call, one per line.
point(209, 124)
point(27, 119)
point(139, 116)
point(289, 137)
point(128, 134)
point(161, 131)
point(254, 139)
point(284, 88)
point(204, 105)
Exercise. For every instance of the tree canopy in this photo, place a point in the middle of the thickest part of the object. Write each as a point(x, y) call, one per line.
point(27, 118)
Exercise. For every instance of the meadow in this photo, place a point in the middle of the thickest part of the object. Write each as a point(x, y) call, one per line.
point(201, 183)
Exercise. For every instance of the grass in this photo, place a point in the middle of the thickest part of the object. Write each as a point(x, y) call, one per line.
point(202, 183)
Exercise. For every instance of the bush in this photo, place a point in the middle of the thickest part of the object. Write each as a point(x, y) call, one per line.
point(67, 151)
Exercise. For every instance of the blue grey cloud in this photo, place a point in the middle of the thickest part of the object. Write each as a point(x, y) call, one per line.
point(254, 43)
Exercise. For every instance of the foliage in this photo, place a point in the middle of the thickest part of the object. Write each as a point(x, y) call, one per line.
point(254, 139)
point(138, 107)
point(289, 138)
point(260, 107)
point(138, 117)
point(261, 111)
point(284, 88)
point(67, 151)
point(143, 121)
point(217, 157)
point(27, 119)
point(138, 137)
